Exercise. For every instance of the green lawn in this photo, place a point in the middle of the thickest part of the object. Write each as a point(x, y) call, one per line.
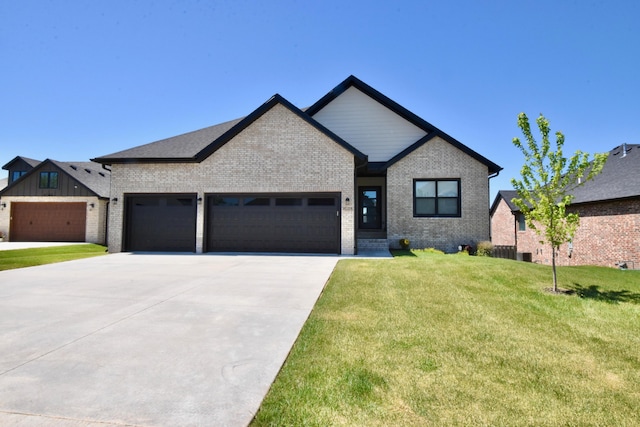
point(19, 258)
point(457, 340)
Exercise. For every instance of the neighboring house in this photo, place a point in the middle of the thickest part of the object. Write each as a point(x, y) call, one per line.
point(609, 209)
point(354, 170)
point(55, 201)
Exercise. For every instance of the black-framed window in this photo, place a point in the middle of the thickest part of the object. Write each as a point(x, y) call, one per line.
point(436, 197)
point(48, 179)
point(15, 175)
point(522, 223)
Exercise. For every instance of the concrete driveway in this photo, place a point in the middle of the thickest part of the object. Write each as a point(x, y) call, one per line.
point(150, 339)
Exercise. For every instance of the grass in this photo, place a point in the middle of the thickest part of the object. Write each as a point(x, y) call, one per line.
point(20, 258)
point(428, 339)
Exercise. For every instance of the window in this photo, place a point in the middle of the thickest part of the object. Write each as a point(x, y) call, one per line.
point(369, 208)
point(48, 179)
point(440, 198)
point(257, 201)
point(522, 224)
point(321, 201)
point(225, 201)
point(288, 201)
point(17, 174)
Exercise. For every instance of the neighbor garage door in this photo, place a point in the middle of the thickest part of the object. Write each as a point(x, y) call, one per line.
point(48, 222)
point(273, 223)
point(160, 222)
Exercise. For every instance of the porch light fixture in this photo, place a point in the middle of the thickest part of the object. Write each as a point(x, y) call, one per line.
point(199, 200)
point(92, 205)
point(114, 200)
point(3, 205)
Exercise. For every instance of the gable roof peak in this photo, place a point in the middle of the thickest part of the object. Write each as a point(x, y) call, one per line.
point(31, 162)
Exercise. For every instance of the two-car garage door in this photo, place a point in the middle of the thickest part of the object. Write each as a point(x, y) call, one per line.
point(308, 222)
point(48, 222)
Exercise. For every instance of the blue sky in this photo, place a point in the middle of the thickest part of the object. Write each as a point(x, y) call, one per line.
point(81, 79)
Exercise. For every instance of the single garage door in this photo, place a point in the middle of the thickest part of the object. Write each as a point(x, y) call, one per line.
point(48, 222)
point(160, 222)
point(273, 223)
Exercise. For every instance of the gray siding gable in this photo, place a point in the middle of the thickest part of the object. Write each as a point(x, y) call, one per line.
point(74, 179)
point(20, 164)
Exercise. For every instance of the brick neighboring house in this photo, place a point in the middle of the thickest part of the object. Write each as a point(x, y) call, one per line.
point(54, 201)
point(355, 170)
point(609, 209)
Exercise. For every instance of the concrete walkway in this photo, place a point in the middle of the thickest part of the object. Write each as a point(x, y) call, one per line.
point(150, 340)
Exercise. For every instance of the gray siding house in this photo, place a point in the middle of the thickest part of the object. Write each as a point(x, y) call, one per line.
point(54, 201)
point(353, 171)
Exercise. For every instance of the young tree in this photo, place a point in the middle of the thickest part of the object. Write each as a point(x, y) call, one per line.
point(544, 192)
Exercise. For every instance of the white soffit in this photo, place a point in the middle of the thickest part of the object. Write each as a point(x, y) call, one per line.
point(368, 125)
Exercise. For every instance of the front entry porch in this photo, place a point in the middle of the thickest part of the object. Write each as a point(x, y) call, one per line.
point(371, 231)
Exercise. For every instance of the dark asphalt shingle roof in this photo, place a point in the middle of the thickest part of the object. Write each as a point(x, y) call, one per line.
point(31, 162)
point(89, 174)
point(194, 146)
point(619, 179)
point(507, 195)
point(184, 146)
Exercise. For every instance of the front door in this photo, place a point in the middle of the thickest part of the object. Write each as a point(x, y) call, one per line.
point(370, 208)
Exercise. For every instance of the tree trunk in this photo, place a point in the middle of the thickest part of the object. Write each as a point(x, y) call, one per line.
point(553, 264)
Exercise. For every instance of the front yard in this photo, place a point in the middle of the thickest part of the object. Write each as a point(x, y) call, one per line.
point(20, 258)
point(427, 339)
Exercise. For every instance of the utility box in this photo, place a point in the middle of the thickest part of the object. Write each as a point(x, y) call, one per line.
point(525, 256)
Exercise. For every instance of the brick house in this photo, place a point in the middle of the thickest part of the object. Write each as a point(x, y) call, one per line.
point(54, 201)
point(609, 209)
point(353, 171)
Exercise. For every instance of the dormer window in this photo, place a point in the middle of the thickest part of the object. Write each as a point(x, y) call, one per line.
point(15, 175)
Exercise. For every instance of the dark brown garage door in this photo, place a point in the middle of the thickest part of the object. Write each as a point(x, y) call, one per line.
point(48, 222)
point(165, 222)
point(273, 223)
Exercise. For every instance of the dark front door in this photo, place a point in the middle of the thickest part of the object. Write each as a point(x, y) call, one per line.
point(370, 208)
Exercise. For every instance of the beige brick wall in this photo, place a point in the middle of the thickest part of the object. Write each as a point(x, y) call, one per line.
point(279, 152)
point(438, 159)
point(96, 216)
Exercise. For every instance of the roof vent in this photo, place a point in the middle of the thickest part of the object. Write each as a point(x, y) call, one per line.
point(101, 174)
point(624, 150)
point(87, 170)
point(74, 167)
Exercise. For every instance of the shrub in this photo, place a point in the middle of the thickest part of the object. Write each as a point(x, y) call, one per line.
point(484, 249)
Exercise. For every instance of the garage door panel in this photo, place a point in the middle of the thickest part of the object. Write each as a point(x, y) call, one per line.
point(48, 221)
point(287, 223)
point(161, 223)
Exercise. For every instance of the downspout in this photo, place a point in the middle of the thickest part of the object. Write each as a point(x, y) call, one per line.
point(106, 224)
point(489, 199)
point(515, 231)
